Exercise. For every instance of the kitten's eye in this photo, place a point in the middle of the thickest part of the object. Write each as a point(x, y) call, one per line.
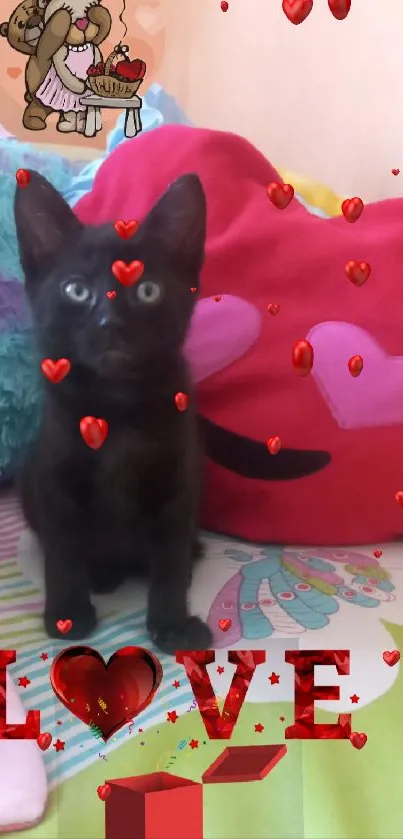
point(77, 292)
point(148, 292)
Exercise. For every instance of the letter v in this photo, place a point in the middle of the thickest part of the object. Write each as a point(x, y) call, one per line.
point(220, 726)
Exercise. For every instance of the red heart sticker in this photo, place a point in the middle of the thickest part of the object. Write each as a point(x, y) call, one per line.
point(104, 791)
point(23, 177)
point(358, 740)
point(273, 309)
point(391, 657)
point(358, 272)
point(273, 444)
point(56, 371)
point(395, 171)
point(64, 626)
point(352, 209)
point(280, 194)
point(126, 229)
point(128, 273)
point(339, 8)
point(225, 624)
point(93, 431)
point(44, 740)
point(107, 695)
point(111, 295)
point(297, 10)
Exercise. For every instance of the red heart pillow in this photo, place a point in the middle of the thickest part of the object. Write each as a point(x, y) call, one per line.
point(335, 478)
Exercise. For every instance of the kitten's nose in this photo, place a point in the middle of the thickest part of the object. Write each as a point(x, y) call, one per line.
point(82, 23)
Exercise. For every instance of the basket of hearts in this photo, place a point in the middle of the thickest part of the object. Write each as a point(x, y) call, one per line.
point(117, 79)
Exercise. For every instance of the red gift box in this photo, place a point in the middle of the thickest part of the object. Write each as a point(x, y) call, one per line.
point(165, 806)
point(157, 806)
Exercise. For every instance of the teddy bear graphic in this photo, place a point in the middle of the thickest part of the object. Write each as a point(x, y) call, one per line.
point(62, 40)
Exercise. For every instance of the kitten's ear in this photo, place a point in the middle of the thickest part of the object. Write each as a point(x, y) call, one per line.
point(44, 222)
point(177, 223)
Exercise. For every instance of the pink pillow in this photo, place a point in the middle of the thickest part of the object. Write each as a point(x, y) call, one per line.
point(335, 479)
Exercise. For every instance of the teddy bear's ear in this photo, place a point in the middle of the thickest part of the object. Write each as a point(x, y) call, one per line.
point(44, 223)
point(4, 29)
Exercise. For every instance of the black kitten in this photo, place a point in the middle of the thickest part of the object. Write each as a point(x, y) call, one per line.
point(134, 501)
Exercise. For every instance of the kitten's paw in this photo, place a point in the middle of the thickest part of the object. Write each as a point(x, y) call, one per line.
point(192, 635)
point(83, 623)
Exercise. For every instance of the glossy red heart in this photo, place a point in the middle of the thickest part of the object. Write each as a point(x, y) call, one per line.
point(273, 309)
point(355, 365)
point(358, 272)
point(302, 357)
point(378, 554)
point(132, 70)
point(56, 371)
point(391, 657)
point(104, 791)
point(126, 229)
point(339, 8)
point(106, 695)
point(181, 401)
point(395, 171)
point(111, 295)
point(358, 740)
point(225, 624)
point(352, 209)
point(297, 10)
point(128, 273)
point(273, 444)
point(64, 626)
point(93, 431)
point(44, 740)
point(23, 177)
point(280, 194)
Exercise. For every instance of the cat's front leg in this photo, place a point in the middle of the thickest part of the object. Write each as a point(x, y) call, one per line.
point(172, 542)
point(67, 591)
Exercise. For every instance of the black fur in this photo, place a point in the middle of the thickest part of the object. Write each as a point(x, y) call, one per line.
point(133, 503)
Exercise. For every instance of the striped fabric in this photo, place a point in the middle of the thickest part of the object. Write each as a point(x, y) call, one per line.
point(21, 628)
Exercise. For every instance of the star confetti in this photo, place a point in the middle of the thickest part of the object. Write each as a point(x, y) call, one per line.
point(23, 682)
point(172, 716)
point(220, 670)
point(44, 656)
point(59, 745)
point(194, 744)
point(176, 684)
point(274, 679)
point(354, 698)
point(259, 728)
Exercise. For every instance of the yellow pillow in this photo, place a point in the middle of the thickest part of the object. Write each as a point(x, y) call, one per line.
point(313, 193)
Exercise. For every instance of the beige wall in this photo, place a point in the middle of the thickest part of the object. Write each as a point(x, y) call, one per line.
point(324, 98)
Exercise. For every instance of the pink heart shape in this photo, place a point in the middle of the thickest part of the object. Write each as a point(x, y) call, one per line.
point(373, 399)
point(220, 333)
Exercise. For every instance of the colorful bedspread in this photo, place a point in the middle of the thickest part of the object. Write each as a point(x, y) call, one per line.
point(276, 599)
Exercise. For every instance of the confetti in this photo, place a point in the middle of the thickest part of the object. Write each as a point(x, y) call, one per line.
point(224, 624)
point(181, 401)
point(59, 745)
point(391, 657)
point(56, 371)
point(355, 365)
point(194, 744)
point(352, 209)
point(224, 6)
point(111, 295)
point(176, 684)
point(354, 699)
point(217, 298)
point(358, 740)
point(259, 728)
point(274, 679)
point(172, 716)
point(339, 8)
point(23, 682)
point(273, 309)
point(96, 731)
point(395, 172)
point(399, 497)
point(280, 195)
point(193, 290)
point(377, 554)
point(44, 656)
point(220, 670)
